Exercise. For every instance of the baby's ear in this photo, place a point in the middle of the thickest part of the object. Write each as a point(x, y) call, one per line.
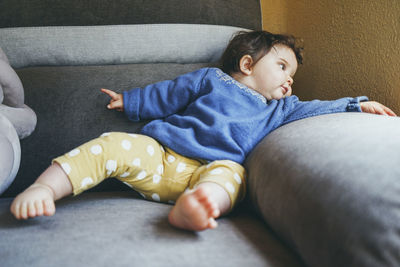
point(246, 64)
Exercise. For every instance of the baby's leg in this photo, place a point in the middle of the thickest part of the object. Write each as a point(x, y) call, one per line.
point(221, 185)
point(38, 199)
point(74, 172)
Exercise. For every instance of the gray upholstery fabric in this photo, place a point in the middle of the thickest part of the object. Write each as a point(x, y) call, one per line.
point(240, 13)
point(71, 110)
point(330, 187)
point(12, 88)
point(12, 100)
point(3, 56)
point(117, 44)
point(7, 161)
point(16, 121)
point(10, 153)
point(117, 229)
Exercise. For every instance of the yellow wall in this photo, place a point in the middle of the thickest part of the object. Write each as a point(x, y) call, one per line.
point(274, 14)
point(352, 47)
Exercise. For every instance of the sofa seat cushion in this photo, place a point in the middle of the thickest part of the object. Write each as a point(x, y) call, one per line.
point(117, 229)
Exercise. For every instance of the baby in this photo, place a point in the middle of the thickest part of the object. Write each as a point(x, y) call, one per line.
point(203, 126)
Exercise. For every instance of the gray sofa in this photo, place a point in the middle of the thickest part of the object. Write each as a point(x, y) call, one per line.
point(322, 191)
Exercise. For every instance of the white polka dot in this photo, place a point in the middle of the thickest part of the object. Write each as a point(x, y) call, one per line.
point(96, 149)
point(160, 169)
point(126, 144)
point(156, 178)
point(141, 175)
point(237, 178)
point(230, 187)
point(150, 150)
point(136, 162)
point(133, 135)
point(125, 174)
point(86, 181)
point(171, 158)
point(217, 171)
point(181, 167)
point(155, 197)
point(111, 166)
point(66, 167)
point(128, 184)
point(105, 134)
point(74, 152)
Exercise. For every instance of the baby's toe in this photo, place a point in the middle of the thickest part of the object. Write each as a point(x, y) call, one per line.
point(49, 207)
point(15, 208)
point(31, 209)
point(23, 211)
point(213, 210)
point(201, 194)
point(211, 207)
point(39, 207)
point(212, 223)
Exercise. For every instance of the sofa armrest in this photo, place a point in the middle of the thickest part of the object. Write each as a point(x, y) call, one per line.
point(330, 187)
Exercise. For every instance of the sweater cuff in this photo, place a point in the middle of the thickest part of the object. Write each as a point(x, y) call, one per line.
point(354, 104)
point(131, 104)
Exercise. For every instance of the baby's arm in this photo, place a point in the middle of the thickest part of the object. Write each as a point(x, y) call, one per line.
point(376, 108)
point(162, 99)
point(296, 110)
point(117, 100)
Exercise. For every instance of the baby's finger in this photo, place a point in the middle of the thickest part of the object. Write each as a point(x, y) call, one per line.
point(111, 93)
point(111, 106)
point(114, 105)
point(379, 110)
point(389, 111)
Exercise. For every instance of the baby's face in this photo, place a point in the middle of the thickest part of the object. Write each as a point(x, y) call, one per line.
point(273, 74)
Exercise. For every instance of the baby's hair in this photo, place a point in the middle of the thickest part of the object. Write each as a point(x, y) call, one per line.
point(256, 44)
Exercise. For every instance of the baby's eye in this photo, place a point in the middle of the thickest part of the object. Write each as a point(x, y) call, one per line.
point(282, 66)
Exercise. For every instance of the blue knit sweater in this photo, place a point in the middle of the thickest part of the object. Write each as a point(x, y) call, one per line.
point(206, 114)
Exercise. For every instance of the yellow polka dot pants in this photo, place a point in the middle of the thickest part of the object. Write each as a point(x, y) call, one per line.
point(155, 172)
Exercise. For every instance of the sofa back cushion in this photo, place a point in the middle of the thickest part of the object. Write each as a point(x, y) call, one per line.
point(114, 44)
point(71, 110)
point(27, 13)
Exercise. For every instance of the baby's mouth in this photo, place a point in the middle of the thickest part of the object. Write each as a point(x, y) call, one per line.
point(284, 89)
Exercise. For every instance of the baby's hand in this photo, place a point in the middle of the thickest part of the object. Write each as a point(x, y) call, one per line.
point(376, 108)
point(116, 102)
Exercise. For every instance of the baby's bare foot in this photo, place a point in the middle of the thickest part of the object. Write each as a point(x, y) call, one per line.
point(36, 200)
point(194, 210)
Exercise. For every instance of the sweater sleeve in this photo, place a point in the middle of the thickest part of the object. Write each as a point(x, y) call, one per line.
point(296, 110)
point(164, 98)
